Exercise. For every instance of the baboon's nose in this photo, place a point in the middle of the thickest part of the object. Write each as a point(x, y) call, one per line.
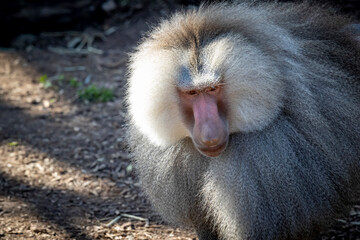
point(210, 142)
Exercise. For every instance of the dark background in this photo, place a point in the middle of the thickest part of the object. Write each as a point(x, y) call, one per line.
point(35, 16)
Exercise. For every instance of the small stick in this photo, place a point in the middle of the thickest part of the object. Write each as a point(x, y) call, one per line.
point(112, 222)
point(134, 217)
point(74, 68)
point(62, 51)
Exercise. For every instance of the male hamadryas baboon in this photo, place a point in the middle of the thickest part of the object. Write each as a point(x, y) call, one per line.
point(245, 119)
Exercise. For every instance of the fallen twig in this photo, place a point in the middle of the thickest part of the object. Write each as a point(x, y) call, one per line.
point(63, 51)
point(112, 222)
point(74, 68)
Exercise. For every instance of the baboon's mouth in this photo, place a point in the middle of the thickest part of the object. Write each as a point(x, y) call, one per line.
point(212, 151)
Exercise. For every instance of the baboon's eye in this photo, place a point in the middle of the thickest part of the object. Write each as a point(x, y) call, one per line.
point(211, 89)
point(192, 92)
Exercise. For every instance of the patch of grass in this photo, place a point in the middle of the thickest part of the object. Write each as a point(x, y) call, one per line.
point(74, 82)
point(96, 94)
point(47, 82)
point(13, 144)
point(44, 80)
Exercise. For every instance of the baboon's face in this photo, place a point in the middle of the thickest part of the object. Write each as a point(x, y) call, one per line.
point(205, 117)
point(205, 92)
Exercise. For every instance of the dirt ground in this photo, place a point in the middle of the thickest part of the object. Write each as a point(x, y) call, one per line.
point(65, 172)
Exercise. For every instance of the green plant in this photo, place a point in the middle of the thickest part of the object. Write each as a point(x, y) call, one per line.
point(93, 93)
point(13, 144)
point(74, 82)
point(45, 81)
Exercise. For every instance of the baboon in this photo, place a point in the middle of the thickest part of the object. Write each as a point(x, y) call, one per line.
point(244, 119)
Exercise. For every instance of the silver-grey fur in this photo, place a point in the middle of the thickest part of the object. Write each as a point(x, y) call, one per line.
point(286, 179)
